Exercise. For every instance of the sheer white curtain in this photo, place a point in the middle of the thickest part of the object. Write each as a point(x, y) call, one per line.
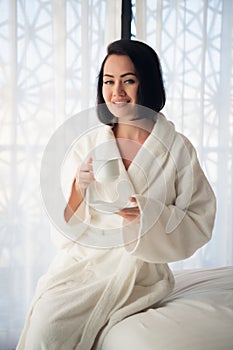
point(194, 40)
point(50, 53)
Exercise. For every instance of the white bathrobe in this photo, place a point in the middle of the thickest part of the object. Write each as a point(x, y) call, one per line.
point(107, 268)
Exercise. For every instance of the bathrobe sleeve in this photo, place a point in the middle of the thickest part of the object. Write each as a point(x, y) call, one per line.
point(64, 234)
point(174, 228)
point(85, 226)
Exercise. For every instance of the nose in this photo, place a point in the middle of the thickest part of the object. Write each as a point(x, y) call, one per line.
point(118, 89)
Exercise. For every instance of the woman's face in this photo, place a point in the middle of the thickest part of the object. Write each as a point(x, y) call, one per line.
point(120, 84)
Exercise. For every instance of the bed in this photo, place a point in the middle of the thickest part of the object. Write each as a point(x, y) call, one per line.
point(197, 315)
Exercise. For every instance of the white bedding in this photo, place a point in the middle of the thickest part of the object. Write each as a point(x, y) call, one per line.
point(198, 315)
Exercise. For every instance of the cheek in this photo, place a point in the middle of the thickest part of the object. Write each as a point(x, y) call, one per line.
point(135, 92)
point(105, 93)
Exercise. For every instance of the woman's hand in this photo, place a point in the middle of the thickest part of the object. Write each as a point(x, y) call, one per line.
point(84, 176)
point(132, 213)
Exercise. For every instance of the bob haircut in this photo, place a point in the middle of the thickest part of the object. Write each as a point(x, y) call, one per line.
point(151, 92)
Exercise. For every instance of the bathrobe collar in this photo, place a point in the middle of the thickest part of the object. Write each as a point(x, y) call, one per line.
point(156, 146)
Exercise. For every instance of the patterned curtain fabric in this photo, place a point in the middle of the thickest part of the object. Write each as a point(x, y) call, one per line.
point(194, 40)
point(50, 53)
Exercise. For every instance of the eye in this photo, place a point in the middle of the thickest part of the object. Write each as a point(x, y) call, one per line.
point(129, 81)
point(108, 82)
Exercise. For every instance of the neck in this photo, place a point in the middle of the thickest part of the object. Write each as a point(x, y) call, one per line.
point(134, 130)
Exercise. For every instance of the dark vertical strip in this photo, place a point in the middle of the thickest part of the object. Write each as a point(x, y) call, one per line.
point(126, 17)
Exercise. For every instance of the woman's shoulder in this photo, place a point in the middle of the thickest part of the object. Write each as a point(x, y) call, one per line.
point(179, 139)
point(177, 144)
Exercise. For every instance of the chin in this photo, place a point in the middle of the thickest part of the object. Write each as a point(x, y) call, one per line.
point(126, 111)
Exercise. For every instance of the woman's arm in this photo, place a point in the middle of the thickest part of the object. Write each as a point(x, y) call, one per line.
point(174, 230)
point(74, 201)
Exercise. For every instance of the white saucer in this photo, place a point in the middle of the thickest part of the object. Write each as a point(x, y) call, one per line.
point(105, 208)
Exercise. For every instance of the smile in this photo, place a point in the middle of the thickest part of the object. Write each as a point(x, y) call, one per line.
point(120, 103)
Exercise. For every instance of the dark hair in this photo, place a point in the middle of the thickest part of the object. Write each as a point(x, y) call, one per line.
point(151, 92)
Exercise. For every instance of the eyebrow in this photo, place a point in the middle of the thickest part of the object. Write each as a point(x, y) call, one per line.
point(121, 76)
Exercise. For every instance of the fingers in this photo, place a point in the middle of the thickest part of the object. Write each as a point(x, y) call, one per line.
point(84, 175)
point(87, 167)
point(129, 211)
point(84, 179)
point(130, 214)
point(133, 200)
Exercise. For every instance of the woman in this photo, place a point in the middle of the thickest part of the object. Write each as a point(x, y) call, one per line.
point(115, 265)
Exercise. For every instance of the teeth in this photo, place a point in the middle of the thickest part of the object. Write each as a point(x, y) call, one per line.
point(120, 103)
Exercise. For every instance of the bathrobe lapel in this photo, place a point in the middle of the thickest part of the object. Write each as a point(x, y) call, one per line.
point(152, 156)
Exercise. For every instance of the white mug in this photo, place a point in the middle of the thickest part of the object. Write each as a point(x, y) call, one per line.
point(106, 170)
